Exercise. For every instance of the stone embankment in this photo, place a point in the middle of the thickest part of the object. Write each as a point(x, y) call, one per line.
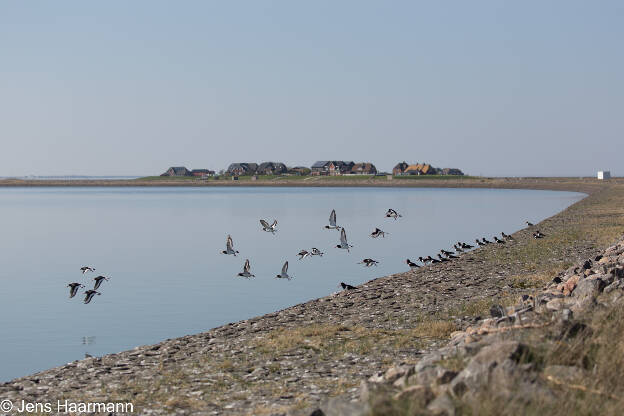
point(496, 355)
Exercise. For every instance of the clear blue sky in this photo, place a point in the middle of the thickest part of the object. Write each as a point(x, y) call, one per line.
point(133, 87)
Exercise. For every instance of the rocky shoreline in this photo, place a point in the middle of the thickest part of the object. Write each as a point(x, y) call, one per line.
point(336, 354)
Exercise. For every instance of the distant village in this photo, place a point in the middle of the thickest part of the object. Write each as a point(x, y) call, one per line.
point(320, 168)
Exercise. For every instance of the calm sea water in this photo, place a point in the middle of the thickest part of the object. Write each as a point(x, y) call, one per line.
point(160, 246)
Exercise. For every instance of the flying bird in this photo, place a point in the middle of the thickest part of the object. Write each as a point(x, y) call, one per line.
point(229, 247)
point(392, 214)
point(246, 272)
point(73, 289)
point(303, 254)
point(378, 233)
point(343, 241)
point(85, 269)
point(269, 228)
point(332, 221)
point(316, 252)
point(98, 281)
point(369, 262)
point(284, 274)
point(89, 295)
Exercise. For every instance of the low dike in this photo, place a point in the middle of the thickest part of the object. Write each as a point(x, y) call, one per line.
point(419, 342)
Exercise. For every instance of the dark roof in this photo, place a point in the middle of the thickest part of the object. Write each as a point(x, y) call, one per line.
point(320, 163)
point(179, 169)
point(202, 171)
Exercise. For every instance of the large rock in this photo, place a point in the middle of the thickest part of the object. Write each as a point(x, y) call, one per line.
point(491, 366)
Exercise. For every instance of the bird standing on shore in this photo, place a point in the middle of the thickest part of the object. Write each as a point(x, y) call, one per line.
point(73, 289)
point(486, 241)
point(98, 281)
point(245, 272)
point(411, 264)
point(269, 228)
point(530, 224)
point(284, 273)
point(507, 236)
point(85, 269)
point(479, 243)
point(346, 286)
point(89, 295)
point(332, 221)
point(343, 241)
point(229, 247)
point(499, 241)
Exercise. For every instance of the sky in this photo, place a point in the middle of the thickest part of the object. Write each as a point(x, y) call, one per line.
point(495, 88)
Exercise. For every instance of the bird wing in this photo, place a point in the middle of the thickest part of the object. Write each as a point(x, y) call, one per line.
point(343, 237)
point(285, 268)
point(265, 224)
point(229, 243)
point(246, 266)
point(274, 223)
point(332, 218)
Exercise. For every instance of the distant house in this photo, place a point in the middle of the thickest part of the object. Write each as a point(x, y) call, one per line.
point(299, 170)
point(400, 168)
point(202, 172)
point(451, 171)
point(177, 171)
point(364, 169)
point(241, 169)
point(420, 169)
point(331, 167)
point(604, 174)
point(271, 168)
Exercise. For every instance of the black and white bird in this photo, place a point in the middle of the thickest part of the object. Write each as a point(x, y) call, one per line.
point(316, 252)
point(442, 259)
point(423, 261)
point(98, 281)
point(466, 246)
point(530, 224)
point(269, 228)
point(479, 243)
point(450, 256)
point(486, 241)
point(537, 234)
point(89, 295)
point(332, 221)
point(343, 241)
point(346, 286)
point(303, 254)
point(284, 273)
point(378, 233)
point(446, 253)
point(506, 236)
point(229, 247)
point(73, 289)
point(246, 273)
point(499, 241)
point(85, 269)
point(368, 262)
point(392, 214)
point(411, 264)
